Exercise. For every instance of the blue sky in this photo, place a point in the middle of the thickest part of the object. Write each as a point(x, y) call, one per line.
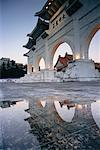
point(94, 48)
point(16, 21)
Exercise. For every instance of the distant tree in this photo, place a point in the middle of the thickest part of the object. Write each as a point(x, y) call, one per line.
point(13, 63)
point(8, 65)
point(0, 73)
point(25, 68)
point(3, 65)
point(12, 70)
point(3, 70)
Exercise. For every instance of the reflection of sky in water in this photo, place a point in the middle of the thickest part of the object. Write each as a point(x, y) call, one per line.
point(14, 130)
point(1, 94)
point(65, 113)
point(95, 108)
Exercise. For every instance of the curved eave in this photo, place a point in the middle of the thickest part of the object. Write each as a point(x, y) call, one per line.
point(33, 48)
point(30, 43)
point(27, 54)
point(39, 29)
point(44, 15)
point(50, 8)
point(25, 46)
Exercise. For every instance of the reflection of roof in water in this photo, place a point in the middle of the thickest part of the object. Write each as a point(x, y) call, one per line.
point(41, 103)
point(67, 103)
point(6, 104)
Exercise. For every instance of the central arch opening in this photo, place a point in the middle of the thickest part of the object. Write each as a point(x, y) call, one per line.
point(94, 48)
point(62, 50)
point(41, 64)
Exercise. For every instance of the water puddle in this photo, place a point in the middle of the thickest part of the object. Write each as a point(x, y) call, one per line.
point(14, 131)
point(49, 124)
point(43, 103)
point(95, 109)
point(65, 125)
point(65, 110)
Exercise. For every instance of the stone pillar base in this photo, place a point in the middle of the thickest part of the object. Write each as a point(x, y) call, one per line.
point(78, 70)
point(48, 76)
point(81, 70)
point(40, 76)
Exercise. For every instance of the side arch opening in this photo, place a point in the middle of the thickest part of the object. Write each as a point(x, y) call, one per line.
point(94, 47)
point(41, 64)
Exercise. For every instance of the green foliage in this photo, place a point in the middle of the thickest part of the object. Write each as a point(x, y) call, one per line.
point(12, 70)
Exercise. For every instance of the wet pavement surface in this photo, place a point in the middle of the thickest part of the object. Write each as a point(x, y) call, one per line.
point(50, 116)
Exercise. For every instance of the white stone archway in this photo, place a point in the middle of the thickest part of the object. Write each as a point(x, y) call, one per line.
point(73, 22)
